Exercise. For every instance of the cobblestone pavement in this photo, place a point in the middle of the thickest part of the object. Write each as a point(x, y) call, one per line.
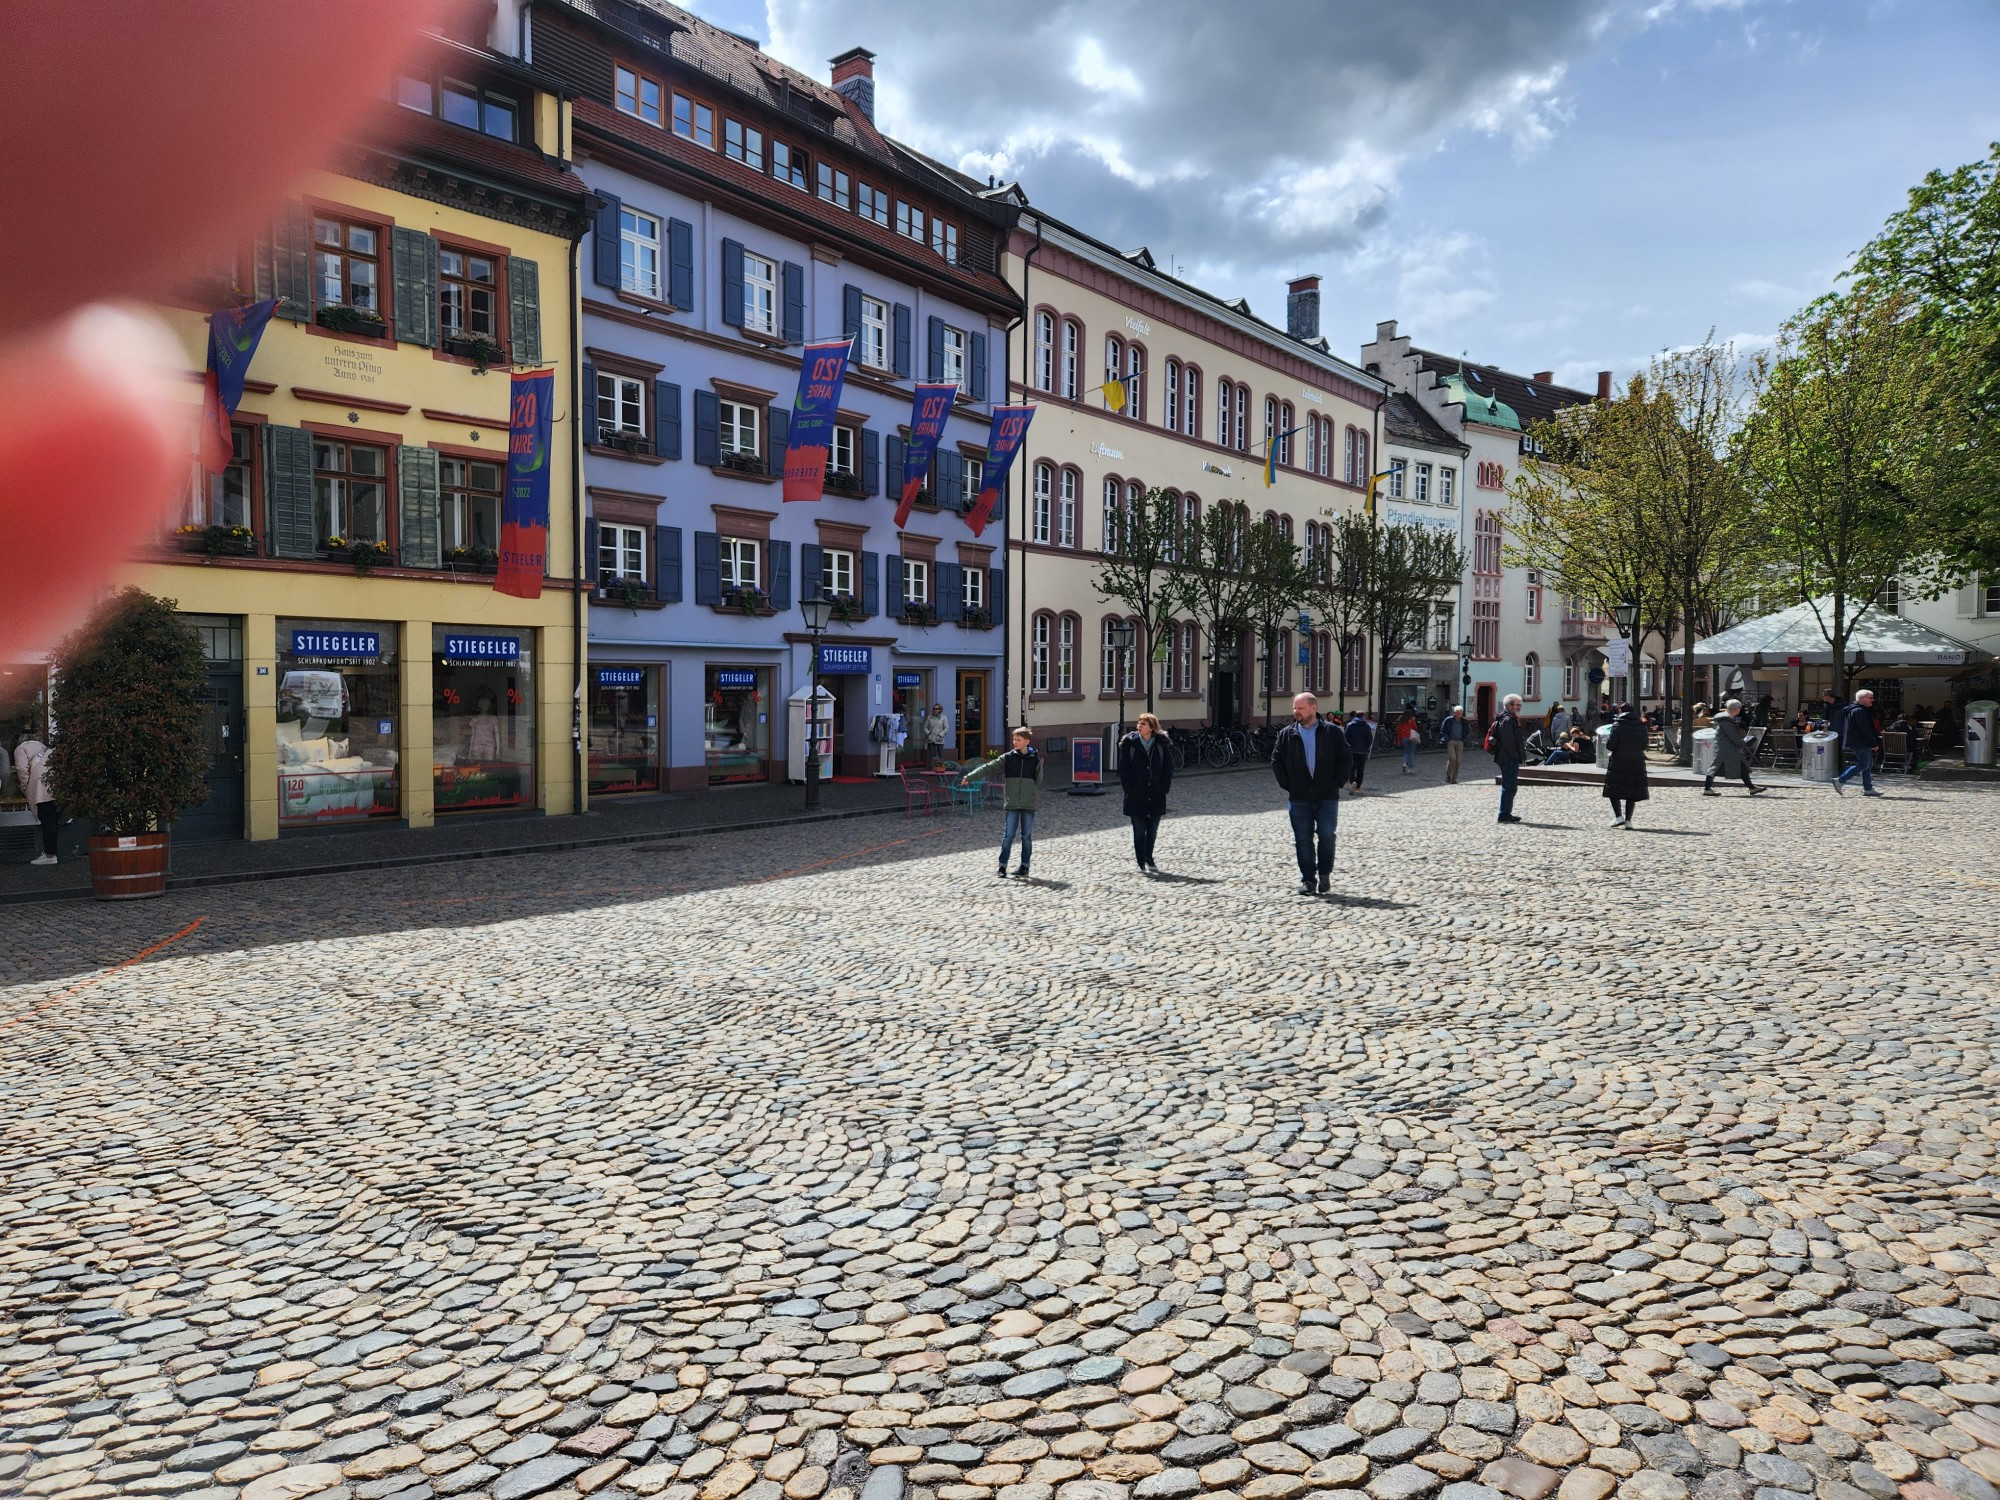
point(1549, 1161)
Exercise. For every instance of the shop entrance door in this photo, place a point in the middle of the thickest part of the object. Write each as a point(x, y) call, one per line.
point(1484, 711)
point(220, 817)
point(972, 715)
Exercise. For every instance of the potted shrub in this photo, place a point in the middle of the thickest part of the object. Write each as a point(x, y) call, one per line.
point(977, 618)
point(916, 613)
point(126, 747)
point(751, 601)
point(365, 555)
point(338, 317)
point(477, 347)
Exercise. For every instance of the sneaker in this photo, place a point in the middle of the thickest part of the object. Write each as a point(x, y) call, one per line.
point(1865, 794)
point(1839, 788)
point(1617, 822)
point(43, 859)
point(1325, 885)
point(1306, 888)
point(1709, 791)
point(1758, 791)
point(1022, 873)
point(1507, 818)
point(1003, 872)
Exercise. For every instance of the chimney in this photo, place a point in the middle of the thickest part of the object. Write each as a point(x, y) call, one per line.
point(1302, 308)
point(1543, 377)
point(1603, 385)
point(854, 79)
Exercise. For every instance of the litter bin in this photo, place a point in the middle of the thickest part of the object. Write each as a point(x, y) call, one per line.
point(1704, 752)
point(1819, 755)
point(1981, 719)
point(1603, 735)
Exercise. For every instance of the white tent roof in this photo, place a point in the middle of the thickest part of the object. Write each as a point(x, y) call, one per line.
point(1885, 640)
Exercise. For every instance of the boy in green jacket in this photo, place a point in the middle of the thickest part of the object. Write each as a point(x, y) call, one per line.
point(1022, 769)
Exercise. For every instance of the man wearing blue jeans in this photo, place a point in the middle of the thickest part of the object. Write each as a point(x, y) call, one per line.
point(1310, 761)
point(1861, 739)
point(1508, 748)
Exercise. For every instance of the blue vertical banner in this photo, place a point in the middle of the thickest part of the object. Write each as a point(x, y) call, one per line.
point(524, 508)
point(928, 414)
point(233, 334)
point(1010, 430)
point(815, 411)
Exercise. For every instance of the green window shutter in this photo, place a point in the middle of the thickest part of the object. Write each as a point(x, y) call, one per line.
point(416, 270)
point(524, 309)
point(417, 507)
point(289, 527)
point(291, 263)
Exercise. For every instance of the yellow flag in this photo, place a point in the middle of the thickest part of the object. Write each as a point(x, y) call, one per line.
point(1114, 394)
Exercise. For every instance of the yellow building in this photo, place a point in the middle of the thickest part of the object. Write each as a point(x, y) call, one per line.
point(1208, 384)
point(364, 670)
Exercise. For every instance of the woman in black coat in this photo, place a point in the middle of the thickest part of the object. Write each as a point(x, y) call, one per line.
point(1625, 766)
point(1145, 771)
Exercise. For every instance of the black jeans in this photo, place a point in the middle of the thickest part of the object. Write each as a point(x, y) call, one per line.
point(47, 812)
point(1144, 832)
point(1621, 807)
point(1359, 763)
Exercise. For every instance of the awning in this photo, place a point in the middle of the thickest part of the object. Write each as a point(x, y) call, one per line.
point(1881, 642)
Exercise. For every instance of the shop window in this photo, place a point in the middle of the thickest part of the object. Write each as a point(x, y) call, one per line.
point(469, 513)
point(468, 289)
point(737, 730)
point(836, 573)
point(621, 407)
point(339, 712)
point(350, 492)
point(739, 557)
point(346, 265)
point(621, 553)
point(694, 121)
point(624, 750)
point(482, 719)
point(639, 97)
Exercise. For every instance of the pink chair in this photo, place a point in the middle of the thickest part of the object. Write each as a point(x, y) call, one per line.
point(919, 793)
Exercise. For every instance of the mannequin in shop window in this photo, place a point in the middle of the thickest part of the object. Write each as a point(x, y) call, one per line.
point(482, 730)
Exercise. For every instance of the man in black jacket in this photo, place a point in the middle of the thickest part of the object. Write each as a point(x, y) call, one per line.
point(1310, 761)
point(1360, 735)
point(1508, 746)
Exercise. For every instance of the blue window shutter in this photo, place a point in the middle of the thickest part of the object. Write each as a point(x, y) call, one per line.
point(871, 583)
point(792, 283)
point(893, 565)
point(667, 564)
point(871, 462)
point(667, 417)
point(781, 575)
point(590, 549)
point(850, 316)
point(902, 319)
point(950, 592)
point(589, 403)
point(732, 283)
point(896, 445)
point(707, 568)
point(680, 263)
point(951, 479)
point(934, 368)
point(978, 374)
point(810, 568)
point(605, 242)
point(707, 428)
point(780, 422)
point(996, 595)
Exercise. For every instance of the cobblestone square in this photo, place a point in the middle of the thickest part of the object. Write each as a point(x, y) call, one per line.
point(1548, 1160)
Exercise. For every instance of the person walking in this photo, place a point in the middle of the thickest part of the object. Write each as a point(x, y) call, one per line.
point(1509, 746)
point(1360, 736)
point(1310, 762)
point(31, 765)
point(1408, 736)
point(1021, 770)
point(936, 729)
point(1625, 765)
point(1453, 734)
point(1145, 771)
point(1860, 737)
point(1732, 756)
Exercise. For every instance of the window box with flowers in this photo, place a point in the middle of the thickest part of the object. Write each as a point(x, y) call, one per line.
point(361, 556)
point(747, 601)
point(624, 440)
point(472, 560)
point(743, 463)
point(916, 612)
point(217, 541)
point(846, 608)
point(840, 482)
point(618, 589)
point(977, 618)
point(926, 500)
point(484, 352)
point(338, 317)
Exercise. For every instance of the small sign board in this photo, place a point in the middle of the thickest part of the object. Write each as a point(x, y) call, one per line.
point(1086, 762)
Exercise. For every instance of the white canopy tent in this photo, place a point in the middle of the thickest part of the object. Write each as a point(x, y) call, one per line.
point(1882, 643)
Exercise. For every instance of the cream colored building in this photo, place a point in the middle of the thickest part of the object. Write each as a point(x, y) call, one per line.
point(1208, 382)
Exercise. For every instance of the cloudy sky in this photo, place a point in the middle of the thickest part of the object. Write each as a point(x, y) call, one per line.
point(1546, 184)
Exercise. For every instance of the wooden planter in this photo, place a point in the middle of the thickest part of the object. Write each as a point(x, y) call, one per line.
point(128, 867)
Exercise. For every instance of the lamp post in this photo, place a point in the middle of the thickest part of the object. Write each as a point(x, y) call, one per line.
point(817, 612)
point(1122, 633)
point(1464, 667)
point(1626, 616)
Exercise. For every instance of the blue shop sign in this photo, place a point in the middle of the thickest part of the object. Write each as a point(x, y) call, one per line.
point(483, 647)
point(342, 645)
point(726, 677)
point(835, 660)
point(621, 677)
point(909, 679)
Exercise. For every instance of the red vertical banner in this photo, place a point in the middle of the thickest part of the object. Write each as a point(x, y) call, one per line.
point(815, 410)
point(928, 413)
point(1010, 431)
point(524, 507)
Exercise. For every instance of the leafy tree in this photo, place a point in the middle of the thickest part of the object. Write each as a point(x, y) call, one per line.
point(1857, 449)
point(126, 746)
point(1382, 582)
point(1278, 584)
point(1336, 584)
point(1137, 571)
point(1213, 584)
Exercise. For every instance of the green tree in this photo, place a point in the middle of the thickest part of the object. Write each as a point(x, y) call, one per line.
point(1137, 570)
point(1278, 583)
point(1382, 582)
point(1212, 583)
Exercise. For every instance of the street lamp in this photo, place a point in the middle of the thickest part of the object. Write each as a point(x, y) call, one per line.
point(1626, 616)
point(1465, 649)
point(1122, 633)
point(818, 612)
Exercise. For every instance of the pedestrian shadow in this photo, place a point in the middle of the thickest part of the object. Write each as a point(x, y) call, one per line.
point(1047, 885)
point(1675, 833)
point(1373, 903)
point(1164, 878)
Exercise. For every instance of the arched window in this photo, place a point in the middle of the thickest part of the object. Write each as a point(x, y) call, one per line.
point(1191, 407)
point(1170, 543)
point(1134, 517)
point(1225, 390)
point(1190, 521)
point(1107, 656)
point(1045, 351)
point(1354, 668)
point(1135, 382)
point(1066, 509)
point(1190, 649)
point(1039, 666)
point(1066, 633)
point(1243, 419)
point(1172, 384)
point(1114, 358)
point(1361, 452)
point(1287, 420)
point(1326, 446)
point(1349, 454)
point(1272, 429)
point(1285, 652)
point(1114, 525)
point(1118, 671)
point(1045, 487)
point(1072, 359)
point(1531, 677)
point(1312, 445)
point(1285, 527)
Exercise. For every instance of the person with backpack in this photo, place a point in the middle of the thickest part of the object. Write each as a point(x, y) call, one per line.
point(1310, 762)
point(1408, 737)
point(1508, 747)
point(1860, 738)
point(1145, 771)
point(1021, 770)
point(1360, 736)
point(1453, 734)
